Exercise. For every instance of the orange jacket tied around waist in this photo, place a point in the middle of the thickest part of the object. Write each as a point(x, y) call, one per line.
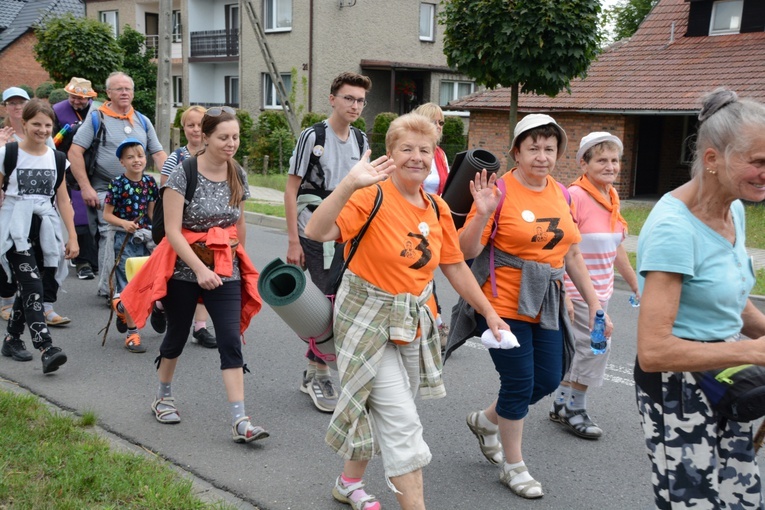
point(150, 283)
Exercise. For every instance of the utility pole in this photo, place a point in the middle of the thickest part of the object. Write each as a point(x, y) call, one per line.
point(276, 78)
point(164, 73)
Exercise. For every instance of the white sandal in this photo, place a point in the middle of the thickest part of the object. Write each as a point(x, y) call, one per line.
point(527, 490)
point(494, 453)
point(343, 494)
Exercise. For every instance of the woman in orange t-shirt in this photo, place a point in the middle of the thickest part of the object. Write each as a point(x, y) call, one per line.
point(536, 239)
point(385, 335)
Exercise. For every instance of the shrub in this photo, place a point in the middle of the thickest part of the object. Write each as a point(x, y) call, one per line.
point(453, 138)
point(28, 90)
point(245, 135)
point(272, 138)
point(44, 90)
point(379, 129)
point(311, 118)
point(57, 95)
point(177, 124)
point(360, 124)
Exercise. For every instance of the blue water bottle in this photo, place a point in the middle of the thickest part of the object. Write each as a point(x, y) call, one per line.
point(634, 301)
point(598, 340)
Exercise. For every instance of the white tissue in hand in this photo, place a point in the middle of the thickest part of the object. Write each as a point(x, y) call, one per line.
point(508, 340)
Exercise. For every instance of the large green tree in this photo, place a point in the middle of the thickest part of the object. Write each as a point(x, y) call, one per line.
point(626, 16)
point(535, 46)
point(138, 65)
point(68, 46)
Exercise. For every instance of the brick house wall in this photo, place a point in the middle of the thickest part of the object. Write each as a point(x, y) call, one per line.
point(18, 65)
point(490, 130)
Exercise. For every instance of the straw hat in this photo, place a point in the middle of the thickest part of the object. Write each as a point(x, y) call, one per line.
point(80, 87)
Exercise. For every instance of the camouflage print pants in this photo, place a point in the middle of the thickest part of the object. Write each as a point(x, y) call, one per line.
point(700, 459)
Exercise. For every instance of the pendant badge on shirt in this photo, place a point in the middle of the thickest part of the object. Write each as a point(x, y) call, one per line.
point(128, 130)
point(318, 150)
point(528, 216)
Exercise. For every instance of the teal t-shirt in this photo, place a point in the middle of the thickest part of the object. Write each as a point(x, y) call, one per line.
point(717, 276)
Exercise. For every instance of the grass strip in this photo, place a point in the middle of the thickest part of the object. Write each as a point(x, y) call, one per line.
point(50, 460)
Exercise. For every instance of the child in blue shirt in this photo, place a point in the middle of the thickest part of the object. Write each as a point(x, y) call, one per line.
point(129, 207)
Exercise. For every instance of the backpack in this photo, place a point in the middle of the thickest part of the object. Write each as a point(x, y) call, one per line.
point(158, 219)
point(11, 159)
point(340, 263)
point(314, 175)
point(99, 138)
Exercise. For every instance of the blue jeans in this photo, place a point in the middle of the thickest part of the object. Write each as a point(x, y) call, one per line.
point(529, 372)
point(133, 248)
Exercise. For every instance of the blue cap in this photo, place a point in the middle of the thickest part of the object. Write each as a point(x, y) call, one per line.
point(14, 92)
point(128, 142)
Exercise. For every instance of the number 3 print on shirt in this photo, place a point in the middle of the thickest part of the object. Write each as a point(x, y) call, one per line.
point(542, 236)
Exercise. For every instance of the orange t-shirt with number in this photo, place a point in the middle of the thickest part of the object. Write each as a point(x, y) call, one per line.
point(533, 225)
point(404, 243)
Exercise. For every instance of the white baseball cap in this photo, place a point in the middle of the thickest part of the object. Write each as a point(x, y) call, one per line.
point(594, 139)
point(535, 120)
point(15, 92)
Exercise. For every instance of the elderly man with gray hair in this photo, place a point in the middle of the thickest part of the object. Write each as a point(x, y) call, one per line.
point(119, 121)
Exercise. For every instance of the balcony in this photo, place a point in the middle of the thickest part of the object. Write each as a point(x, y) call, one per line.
point(152, 43)
point(215, 43)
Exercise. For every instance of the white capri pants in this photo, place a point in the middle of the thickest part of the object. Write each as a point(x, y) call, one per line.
point(395, 423)
point(586, 368)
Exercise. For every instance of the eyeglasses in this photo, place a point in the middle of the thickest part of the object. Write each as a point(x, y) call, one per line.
point(123, 89)
point(350, 101)
point(215, 111)
point(16, 104)
point(439, 123)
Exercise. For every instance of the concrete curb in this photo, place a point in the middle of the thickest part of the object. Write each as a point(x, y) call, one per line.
point(202, 489)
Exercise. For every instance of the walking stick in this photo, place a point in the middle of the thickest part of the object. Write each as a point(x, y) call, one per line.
point(117, 259)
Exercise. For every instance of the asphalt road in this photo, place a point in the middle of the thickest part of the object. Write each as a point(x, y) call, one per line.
point(294, 469)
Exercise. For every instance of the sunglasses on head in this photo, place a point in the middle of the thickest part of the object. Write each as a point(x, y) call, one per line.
point(215, 111)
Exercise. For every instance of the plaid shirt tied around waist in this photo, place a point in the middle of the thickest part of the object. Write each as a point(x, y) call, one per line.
point(366, 318)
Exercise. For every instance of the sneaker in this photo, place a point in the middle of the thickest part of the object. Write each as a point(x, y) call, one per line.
point(578, 421)
point(158, 319)
point(344, 494)
point(85, 273)
point(52, 358)
point(204, 338)
point(322, 392)
point(120, 320)
point(13, 347)
point(133, 343)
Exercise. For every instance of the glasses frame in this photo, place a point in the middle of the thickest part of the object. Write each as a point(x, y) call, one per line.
point(350, 100)
point(216, 111)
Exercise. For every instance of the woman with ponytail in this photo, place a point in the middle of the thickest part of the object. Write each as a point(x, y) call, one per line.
point(203, 256)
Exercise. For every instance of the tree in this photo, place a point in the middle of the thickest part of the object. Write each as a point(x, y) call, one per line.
point(626, 16)
point(536, 46)
point(69, 46)
point(138, 65)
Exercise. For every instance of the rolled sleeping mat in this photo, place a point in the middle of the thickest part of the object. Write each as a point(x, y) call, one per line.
point(133, 265)
point(300, 304)
point(457, 189)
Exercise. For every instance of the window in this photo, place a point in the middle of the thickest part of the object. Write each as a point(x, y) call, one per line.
point(726, 17)
point(270, 97)
point(232, 90)
point(177, 28)
point(278, 15)
point(427, 22)
point(177, 90)
point(451, 90)
point(111, 18)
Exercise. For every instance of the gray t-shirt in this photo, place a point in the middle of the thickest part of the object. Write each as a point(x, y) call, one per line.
point(337, 157)
point(208, 208)
point(107, 163)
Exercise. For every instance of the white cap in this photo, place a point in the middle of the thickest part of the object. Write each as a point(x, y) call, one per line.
point(14, 92)
point(535, 120)
point(594, 139)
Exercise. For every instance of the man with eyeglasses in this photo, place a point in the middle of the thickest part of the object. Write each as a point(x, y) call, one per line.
point(120, 121)
point(324, 154)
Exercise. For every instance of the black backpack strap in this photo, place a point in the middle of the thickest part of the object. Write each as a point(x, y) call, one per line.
point(314, 174)
point(190, 168)
point(359, 140)
point(9, 163)
point(354, 243)
point(435, 206)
